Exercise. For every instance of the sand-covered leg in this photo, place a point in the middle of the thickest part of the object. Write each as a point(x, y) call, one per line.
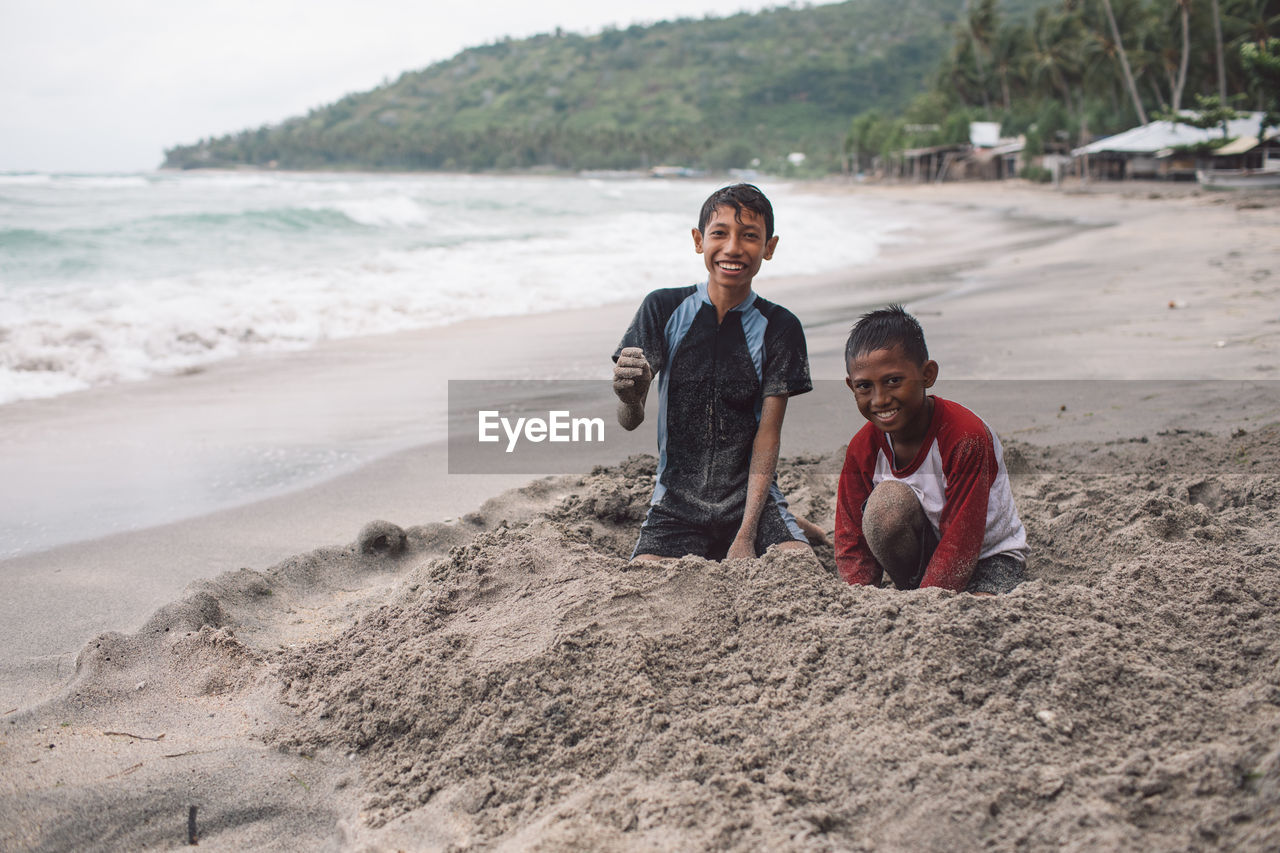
point(893, 523)
point(815, 534)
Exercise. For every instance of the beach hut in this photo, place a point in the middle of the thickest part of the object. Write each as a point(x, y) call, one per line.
point(1250, 152)
point(995, 162)
point(926, 165)
point(987, 156)
point(1248, 162)
point(1157, 149)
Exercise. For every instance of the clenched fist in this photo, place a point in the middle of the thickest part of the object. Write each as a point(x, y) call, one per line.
point(632, 375)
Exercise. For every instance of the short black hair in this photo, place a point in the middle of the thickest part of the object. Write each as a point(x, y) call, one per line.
point(739, 197)
point(886, 328)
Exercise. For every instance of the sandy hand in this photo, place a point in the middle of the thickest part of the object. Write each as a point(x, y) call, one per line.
point(632, 375)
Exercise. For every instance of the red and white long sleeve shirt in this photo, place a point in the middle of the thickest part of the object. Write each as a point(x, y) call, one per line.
point(959, 477)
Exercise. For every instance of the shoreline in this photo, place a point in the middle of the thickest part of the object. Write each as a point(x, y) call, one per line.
point(263, 392)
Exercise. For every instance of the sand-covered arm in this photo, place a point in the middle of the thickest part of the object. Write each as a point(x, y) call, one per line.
point(642, 353)
point(784, 374)
point(970, 467)
point(854, 561)
point(764, 463)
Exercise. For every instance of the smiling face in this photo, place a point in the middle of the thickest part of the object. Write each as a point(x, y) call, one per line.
point(733, 245)
point(890, 390)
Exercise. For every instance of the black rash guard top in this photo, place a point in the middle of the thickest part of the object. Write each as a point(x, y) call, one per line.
point(712, 379)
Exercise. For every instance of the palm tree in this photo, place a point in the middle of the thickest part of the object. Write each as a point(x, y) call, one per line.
point(1124, 62)
point(1153, 60)
point(1262, 67)
point(1255, 22)
point(1218, 50)
point(961, 71)
point(1054, 45)
point(981, 21)
point(1184, 13)
point(1008, 52)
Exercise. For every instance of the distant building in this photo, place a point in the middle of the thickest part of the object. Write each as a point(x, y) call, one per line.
point(1161, 149)
point(1249, 152)
point(984, 134)
point(925, 165)
point(986, 156)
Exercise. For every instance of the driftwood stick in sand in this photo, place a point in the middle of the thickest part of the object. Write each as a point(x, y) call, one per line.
point(126, 771)
point(136, 737)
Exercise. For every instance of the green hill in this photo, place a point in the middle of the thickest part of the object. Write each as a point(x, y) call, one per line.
point(712, 93)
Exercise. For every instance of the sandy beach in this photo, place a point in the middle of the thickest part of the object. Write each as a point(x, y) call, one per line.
point(395, 657)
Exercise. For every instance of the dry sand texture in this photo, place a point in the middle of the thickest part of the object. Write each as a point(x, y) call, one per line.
point(505, 681)
point(524, 689)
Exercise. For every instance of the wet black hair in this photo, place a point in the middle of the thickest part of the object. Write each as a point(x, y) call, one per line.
point(739, 197)
point(886, 328)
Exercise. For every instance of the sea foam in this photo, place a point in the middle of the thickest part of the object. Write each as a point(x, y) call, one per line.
point(107, 279)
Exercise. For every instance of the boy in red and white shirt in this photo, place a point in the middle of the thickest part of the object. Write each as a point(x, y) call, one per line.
point(924, 494)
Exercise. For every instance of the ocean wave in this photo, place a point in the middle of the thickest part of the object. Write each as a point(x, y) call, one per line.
point(106, 182)
point(19, 179)
point(182, 229)
point(225, 180)
point(110, 287)
point(289, 219)
point(399, 211)
point(56, 340)
point(22, 239)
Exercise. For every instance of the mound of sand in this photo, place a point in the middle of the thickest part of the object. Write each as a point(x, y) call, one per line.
point(508, 681)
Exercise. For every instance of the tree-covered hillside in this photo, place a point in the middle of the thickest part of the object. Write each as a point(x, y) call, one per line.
point(713, 93)
point(1078, 69)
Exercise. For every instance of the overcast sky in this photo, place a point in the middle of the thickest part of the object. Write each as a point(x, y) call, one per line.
point(107, 85)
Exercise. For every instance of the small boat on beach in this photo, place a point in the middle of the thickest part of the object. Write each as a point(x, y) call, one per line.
point(1239, 179)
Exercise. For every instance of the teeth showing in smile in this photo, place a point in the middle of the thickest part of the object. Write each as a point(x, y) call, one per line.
point(885, 416)
point(725, 265)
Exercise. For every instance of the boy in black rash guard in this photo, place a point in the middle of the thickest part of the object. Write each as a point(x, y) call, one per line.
point(726, 360)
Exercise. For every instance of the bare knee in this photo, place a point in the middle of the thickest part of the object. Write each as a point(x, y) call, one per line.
point(892, 510)
point(893, 524)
